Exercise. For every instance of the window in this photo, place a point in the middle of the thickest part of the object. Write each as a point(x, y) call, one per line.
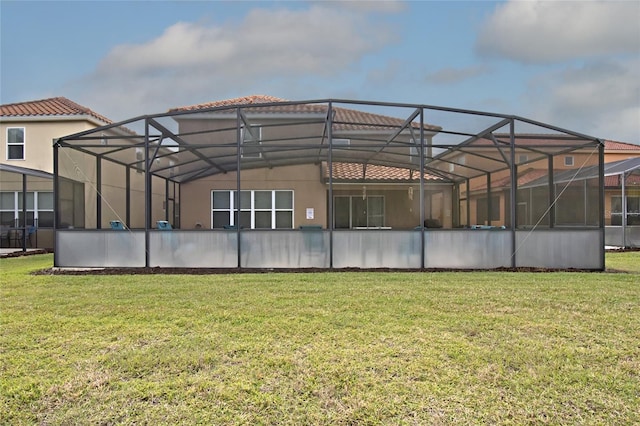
point(15, 143)
point(522, 158)
point(633, 210)
point(39, 209)
point(568, 160)
point(258, 209)
point(354, 212)
point(251, 138)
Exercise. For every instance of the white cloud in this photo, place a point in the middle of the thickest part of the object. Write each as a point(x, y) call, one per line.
point(194, 62)
point(601, 99)
point(550, 31)
point(456, 75)
point(383, 6)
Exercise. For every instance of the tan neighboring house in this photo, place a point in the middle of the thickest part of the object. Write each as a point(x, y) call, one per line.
point(618, 152)
point(27, 131)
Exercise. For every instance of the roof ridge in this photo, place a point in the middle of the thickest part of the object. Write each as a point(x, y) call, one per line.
point(241, 100)
point(58, 105)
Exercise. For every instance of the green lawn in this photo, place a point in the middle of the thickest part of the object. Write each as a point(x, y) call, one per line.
point(323, 348)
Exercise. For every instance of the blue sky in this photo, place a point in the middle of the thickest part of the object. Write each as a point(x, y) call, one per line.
point(574, 64)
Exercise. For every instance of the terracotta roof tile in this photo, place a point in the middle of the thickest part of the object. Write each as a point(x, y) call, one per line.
point(524, 177)
point(354, 171)
point(244, 100)
point(59, 106)
point(345, 118)
point(620, 146)
point(614, 181)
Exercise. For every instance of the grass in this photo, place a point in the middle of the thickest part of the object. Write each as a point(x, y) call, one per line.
point(324, 348)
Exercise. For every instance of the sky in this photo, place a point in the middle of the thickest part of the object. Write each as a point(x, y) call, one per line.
point(572, 64)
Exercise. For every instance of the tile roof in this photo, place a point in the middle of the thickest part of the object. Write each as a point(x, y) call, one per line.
point(354, 172)
point(524, 177)
point(344, 119)
point(620, 146)
point(59, 106)
point(244, 100)
point(614, 181)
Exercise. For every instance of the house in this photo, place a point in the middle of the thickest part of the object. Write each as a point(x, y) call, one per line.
point(259, 182)
point(551, 199)
point(27, 131)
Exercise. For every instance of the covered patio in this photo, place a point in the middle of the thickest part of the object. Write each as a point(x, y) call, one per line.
point(259, 182)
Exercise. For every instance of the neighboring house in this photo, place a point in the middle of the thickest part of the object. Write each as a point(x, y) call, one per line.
point(27, 132)
point(89, 188)
point(575, 178)
point(628, 155)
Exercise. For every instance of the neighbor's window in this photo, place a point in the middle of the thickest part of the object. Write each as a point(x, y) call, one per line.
point(258, 209)
point(39, 209)
point(633, 210)
point(568, 160)
point(251, 137)
point(15, 143)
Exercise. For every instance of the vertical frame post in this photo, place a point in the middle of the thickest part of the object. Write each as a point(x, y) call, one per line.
point(423, 247)
point(329, 125)
point(127, 200)
point(98, 192)
point(601, 203)
point(56, 201)
point(147, 194)
point(24, 212)
point(236, 213)
point(552, 193)
point(513, 169)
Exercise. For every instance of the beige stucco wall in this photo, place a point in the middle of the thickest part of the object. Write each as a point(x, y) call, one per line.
point(401, 210)
point(309, 192)
point(39, 137)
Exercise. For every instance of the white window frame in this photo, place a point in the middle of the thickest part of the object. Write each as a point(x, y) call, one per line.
point(17, 209)
point(253, 209)
point(258, 154)
point(568, 161)
point(23, 144)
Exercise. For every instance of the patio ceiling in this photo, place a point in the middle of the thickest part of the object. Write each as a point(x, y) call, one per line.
point(194, 142)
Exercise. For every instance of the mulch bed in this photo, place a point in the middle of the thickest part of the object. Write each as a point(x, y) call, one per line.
point(205, 271)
